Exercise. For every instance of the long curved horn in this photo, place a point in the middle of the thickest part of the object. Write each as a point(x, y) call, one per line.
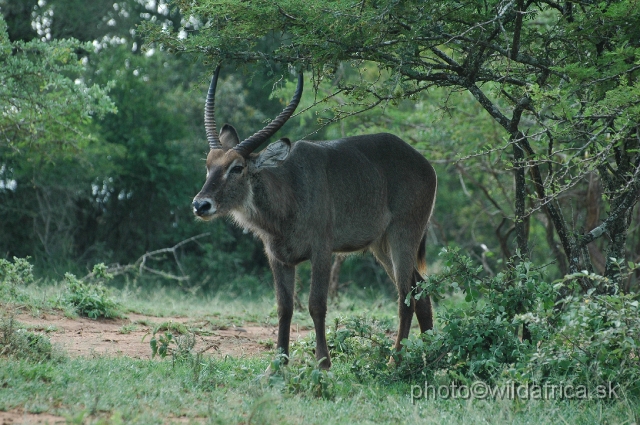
point(209, 113)
point(252, 143)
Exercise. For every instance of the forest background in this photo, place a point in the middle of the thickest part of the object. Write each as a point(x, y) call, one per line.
point(528, 110)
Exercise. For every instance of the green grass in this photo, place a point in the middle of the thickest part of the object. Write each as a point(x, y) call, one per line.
point(195, 389)
point(123, 390)
point(170, 301)
point(160, 299)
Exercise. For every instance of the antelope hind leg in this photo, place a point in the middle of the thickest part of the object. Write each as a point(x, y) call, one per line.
point(424, 311)
point(319, 290)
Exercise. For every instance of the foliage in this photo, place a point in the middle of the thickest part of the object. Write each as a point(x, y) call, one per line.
point(481, 339)
point(587, 339)
point(595, 340)
point(101, 190)
point(18, 343)
point(14, 276)
point(91, 299)
point(163, 341)
point(46, 106)
point(300, 373)
point(48, 109)
point(160, 345)
point(179, 347)
point(519, 288)
point(584, 339)
point(361, 342)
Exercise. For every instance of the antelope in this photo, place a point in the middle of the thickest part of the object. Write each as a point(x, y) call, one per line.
point(309, 199)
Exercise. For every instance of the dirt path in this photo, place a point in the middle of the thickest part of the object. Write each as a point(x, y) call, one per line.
point(83, 337)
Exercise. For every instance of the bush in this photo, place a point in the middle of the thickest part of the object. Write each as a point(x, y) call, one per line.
point(91, 300)
point(482, 338)
point(584, 339)
point(21, 344)
point(177, 340)
point(595, 341)
point(362, 342)
point(301, 374)
point(14, 277)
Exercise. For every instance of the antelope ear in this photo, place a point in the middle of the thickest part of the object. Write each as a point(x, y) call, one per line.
point(274, 154)
point(228, 137)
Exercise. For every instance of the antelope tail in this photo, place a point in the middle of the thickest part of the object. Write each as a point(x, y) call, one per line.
point(421, 260)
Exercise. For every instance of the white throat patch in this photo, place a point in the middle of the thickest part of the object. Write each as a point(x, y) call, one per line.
point(243, 216)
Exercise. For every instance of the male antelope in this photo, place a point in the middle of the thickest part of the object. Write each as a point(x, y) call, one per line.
point(310, 199)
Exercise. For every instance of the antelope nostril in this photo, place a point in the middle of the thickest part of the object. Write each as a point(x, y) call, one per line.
point(201, 207)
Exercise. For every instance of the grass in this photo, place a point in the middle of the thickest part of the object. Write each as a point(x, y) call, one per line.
point(222, 311)
point(106, 390)
point(172, 301)
point(228, 391)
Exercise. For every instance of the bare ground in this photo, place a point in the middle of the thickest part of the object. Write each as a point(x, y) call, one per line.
point(83, 337)
point(15, 417)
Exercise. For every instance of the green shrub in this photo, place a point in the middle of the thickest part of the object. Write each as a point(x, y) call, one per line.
point(16, 342)
point(14, 277)
point(301, 374)
point(90, 299)
point(361, 341)
point(179, 346)
point(482, 338)
point(594, 341)
point(584, 339)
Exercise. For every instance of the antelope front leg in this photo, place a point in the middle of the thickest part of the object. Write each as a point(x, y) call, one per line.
point(320, 271)
point(284, 278)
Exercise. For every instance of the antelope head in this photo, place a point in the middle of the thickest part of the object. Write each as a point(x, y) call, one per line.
point(231, 163)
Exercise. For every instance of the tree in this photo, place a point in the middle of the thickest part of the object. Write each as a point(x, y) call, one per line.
point(79, 184)
point(46, 110)
point(560, 79)
point(46, 105)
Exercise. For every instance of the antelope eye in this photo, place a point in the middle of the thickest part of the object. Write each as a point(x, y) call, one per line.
point(237, 169)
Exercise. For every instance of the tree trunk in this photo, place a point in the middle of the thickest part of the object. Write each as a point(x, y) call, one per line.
point(520, 196)
point(616, 250)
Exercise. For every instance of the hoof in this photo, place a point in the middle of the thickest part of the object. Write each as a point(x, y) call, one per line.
point(324, 363)
point(393, 362)
point(278, 362)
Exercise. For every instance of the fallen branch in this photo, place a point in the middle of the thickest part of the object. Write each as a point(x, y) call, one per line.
point(140, 264)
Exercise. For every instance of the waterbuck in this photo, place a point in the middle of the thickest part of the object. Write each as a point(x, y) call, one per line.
point(309, 199)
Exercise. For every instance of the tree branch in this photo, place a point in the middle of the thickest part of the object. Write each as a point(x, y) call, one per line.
point(630, 198)
point(515, 44)
point(140, 263)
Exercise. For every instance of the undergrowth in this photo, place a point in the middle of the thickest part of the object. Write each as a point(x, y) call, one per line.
point(515, 326)
point(85, 298)
point(518, 327)
point(512, 327)
point(91, 299)
point(18, 343)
